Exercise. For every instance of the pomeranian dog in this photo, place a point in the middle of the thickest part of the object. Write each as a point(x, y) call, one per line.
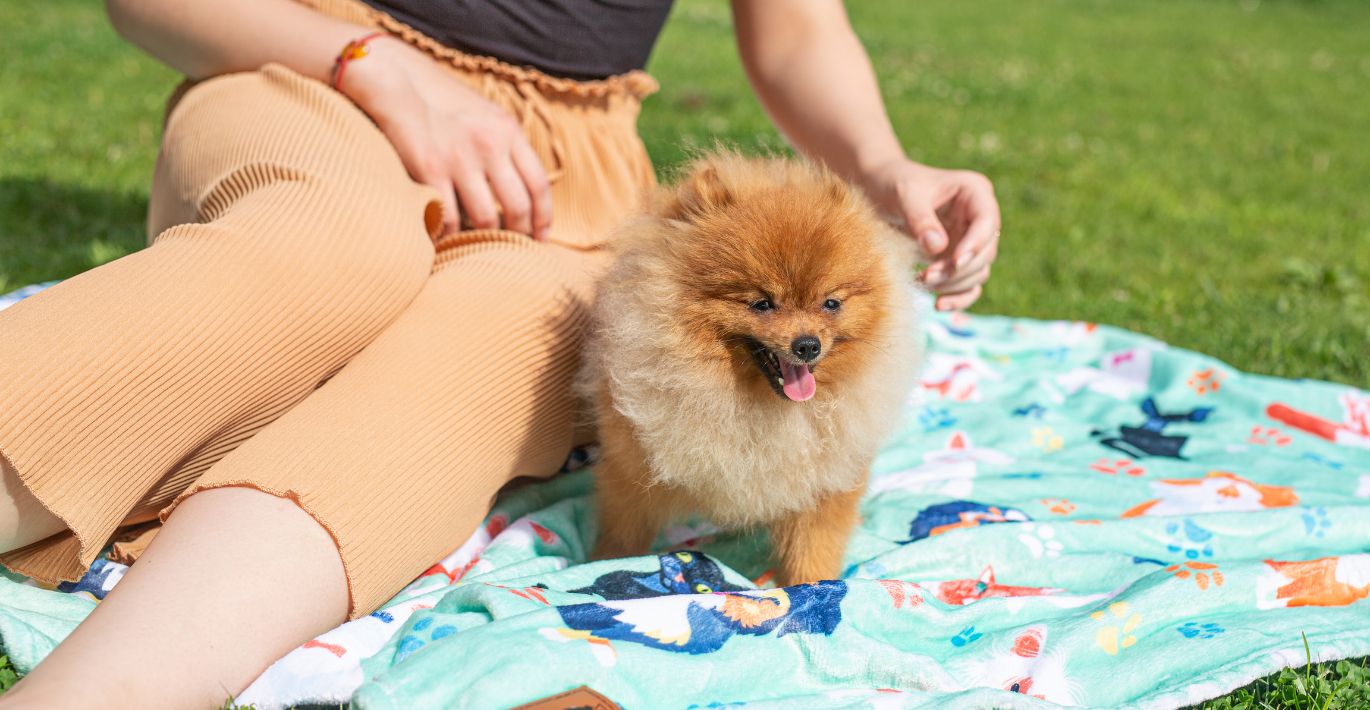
point(753, 345)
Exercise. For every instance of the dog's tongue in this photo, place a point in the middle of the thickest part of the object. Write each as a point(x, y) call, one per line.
point(799, 384)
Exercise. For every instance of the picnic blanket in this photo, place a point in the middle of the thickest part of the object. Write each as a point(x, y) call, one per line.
point(1071, 514)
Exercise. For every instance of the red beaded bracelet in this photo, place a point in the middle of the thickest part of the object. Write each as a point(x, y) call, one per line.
point(356, 49)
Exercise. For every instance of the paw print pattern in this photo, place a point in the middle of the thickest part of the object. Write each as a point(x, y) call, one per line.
point(1195, 630)
point(1190, 539)
point(1315, 521)
point(1264, 435)
point(1114, 467)
point(933, 418)
point(966, 636)
point(1205, 574)
point(1040, 540)
point(1046, 439)
point(408, 645)
point(1059, 506)
point(414, 640)
point(1205, 381)
point(1116, 633)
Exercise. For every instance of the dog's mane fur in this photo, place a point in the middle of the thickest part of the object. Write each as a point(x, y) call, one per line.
point(745, 459)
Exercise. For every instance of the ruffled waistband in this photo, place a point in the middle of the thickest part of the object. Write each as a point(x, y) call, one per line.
point(636, 84)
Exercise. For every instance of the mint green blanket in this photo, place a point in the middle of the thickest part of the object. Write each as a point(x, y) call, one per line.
point(1070, 515)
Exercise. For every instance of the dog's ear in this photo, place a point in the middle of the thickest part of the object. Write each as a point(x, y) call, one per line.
point(700, 192)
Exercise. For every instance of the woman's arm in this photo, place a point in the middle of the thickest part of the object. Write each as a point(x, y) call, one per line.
point(815, 80)
point(448, 136)
point(204, 39)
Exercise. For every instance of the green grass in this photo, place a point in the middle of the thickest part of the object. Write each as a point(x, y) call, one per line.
point(7, 675)
point(1344, 684)
point(80, 117)
point(1317, 686)
point(1192, 169)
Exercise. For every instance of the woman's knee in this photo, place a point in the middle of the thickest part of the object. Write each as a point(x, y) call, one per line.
point(261, 521)
point(275, 232)
point(275, 116)
point(262, 508)
point(296, 169)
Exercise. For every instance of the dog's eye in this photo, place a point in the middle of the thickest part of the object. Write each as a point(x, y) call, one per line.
point(762, 305)
point(832, 304)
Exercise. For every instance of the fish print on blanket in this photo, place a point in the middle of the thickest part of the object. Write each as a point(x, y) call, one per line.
point(1061, 500)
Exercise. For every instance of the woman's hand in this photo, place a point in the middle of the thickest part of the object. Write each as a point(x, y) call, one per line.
point(954, 217)
point(453, 139)
point(446, 134)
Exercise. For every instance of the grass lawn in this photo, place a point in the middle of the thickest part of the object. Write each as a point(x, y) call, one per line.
point(1193, 169)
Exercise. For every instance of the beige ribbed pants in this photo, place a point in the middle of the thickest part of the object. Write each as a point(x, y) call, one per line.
point(295, 326)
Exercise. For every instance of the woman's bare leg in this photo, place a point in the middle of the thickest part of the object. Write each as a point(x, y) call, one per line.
point(234, 580)
point(23, 519)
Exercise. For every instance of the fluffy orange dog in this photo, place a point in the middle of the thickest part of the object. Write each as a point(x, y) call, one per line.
point(754, 343)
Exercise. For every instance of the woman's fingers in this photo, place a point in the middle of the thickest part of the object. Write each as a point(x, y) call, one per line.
point(973, 272)
point(451, 214)
point(513, 197)
point(473, 190)
point(948, 276)
point(435, 177)
point(959, 301)
point(926, 228)
point(982, 212)
point(534, 176)
point(498, 174)
point(965, 281)
point(977, 245)
point(464, 146)
point(423, 158)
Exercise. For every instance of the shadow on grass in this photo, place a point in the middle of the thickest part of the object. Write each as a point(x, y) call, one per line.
point(51, 230)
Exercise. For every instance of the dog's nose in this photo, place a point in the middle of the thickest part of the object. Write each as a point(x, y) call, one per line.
point(806, 347)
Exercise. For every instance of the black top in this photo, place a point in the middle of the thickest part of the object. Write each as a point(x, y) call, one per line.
point(577, 39)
